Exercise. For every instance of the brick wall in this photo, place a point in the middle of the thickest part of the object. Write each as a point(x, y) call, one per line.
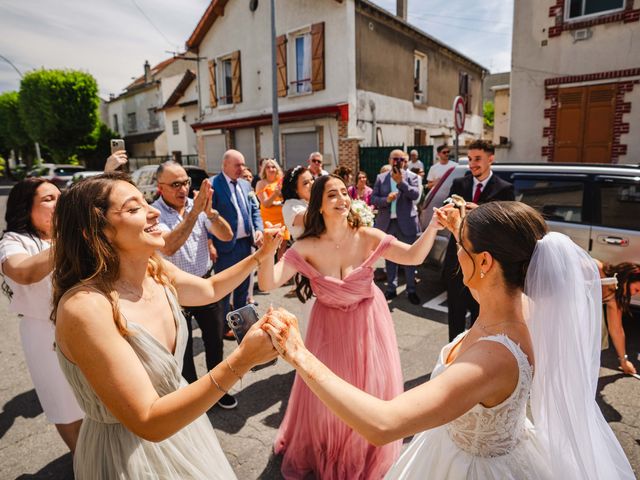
point(202, 154)
point(629, 14)
point(348, 148)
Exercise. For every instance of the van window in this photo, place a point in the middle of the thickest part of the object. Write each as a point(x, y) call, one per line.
point(620, 205)
point(556, 200)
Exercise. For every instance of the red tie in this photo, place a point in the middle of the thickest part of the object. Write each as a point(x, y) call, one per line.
point(476, 195)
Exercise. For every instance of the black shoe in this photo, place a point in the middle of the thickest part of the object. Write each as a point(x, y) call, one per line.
point(413, 298)
point(390, 295)
point(227, 402)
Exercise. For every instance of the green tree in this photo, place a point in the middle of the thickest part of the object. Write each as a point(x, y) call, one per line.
point(59, 109)
point(488, 112)
point(96, 152)
point(13, 135)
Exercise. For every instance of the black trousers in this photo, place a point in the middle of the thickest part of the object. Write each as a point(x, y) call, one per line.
point(210, 319)
point(459, 299)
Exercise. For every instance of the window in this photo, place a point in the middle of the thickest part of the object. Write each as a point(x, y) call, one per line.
point(464, 90)
point(620, 205)
point(585, 8)
point(556, 200)
point(301, 72)
point(176, 127)
point(420, 78)
point(132, 123)
point(225, 82)
point(153, 118)
point(297, 146)
point(116, 128)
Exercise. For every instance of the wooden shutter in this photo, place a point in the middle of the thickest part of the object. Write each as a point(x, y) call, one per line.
point(569, 127)
point(598, 123)
point(213, 100)
point(281, 63)
point(317, 56)
point(236, 78)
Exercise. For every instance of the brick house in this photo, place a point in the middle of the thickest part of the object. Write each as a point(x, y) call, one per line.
point(575, 81)
point(348, 72)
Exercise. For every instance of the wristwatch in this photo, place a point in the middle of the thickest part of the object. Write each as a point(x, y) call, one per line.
point(625, 357)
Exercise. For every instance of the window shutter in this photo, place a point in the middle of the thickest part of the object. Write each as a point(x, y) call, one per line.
point(213, 100)
point(317, 56)
point(569, 128)
point(598, 124)
point(281, 63)
point(236, 78)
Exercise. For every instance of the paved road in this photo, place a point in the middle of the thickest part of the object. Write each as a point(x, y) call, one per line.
point(30, 447)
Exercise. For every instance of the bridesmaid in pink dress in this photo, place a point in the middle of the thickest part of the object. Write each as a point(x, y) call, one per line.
point(350, 330)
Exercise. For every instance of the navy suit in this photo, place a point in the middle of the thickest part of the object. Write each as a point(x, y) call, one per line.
point(405, 227)
point(233, 251)
point(459, 298)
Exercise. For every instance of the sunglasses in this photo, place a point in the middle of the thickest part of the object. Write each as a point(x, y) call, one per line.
point(398, 159)
point(316, 161)
point(177, 185)
point(446, 152)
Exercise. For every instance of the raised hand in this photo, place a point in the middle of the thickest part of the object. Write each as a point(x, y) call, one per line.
point(202, 197)
point(257, 347)
point(272, 238)
point(449, 218)
point(116, 160)
point(282, 327)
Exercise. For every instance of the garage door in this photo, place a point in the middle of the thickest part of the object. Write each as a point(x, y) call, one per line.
point(298, 146)
point(214, 148)
point(245, 142)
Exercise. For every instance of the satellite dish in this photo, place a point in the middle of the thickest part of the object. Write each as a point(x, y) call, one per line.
point(253, 5)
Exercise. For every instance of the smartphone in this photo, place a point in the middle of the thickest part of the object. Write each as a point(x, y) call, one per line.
point(117, 144)
point(240, 322)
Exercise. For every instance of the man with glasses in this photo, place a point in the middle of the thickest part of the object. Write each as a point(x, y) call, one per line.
point(185, 223)
point(315, 165)
point(443, 165)
point(393, 195)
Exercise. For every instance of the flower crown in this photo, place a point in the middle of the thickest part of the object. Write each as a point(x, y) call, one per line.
point(295, 170)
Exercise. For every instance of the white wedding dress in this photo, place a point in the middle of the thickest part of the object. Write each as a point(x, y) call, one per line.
point(484, 443)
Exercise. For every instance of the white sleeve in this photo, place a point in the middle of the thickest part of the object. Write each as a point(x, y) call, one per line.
point(10, 245)
point(432, 174)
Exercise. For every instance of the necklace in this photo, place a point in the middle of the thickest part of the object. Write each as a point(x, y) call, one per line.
point(136, 294)
point(337, 244)
point(486, 327)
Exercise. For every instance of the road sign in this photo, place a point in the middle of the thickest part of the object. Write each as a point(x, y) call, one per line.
point(458, 114)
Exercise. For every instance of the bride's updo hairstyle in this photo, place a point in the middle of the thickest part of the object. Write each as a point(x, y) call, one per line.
point(509, 232)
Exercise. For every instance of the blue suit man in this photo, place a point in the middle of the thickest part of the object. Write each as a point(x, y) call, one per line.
point(393, 195)
point(231, 200)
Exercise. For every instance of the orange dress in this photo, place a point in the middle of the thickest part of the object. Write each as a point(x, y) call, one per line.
point(273, 213)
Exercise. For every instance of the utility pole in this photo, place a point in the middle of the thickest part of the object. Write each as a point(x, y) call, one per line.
point(275, 122)
point(37, 145)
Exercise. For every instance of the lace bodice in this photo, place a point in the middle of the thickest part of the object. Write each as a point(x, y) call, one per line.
point(495, 431)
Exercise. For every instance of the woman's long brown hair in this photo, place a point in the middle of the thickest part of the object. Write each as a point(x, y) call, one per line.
point(626, 273)
point(82, 252)
point(314, 226)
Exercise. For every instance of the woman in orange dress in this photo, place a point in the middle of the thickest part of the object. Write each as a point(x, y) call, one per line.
point(270, 197)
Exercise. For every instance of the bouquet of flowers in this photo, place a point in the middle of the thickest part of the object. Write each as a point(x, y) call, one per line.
point(363, 211)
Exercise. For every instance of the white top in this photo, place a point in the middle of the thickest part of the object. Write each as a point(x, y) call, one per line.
point(437, 170)
point(484, 182)
point(290, 209)
point(32, 300)
point(417, 164)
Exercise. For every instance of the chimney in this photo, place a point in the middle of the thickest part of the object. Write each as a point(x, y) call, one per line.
point(147, 71)
point(401, 9)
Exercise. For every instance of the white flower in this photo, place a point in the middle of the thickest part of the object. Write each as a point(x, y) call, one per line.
point(363, 211)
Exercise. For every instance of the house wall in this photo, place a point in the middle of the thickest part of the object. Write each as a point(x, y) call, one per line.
point(500, 114)
point(384, 64)
point(541, 52)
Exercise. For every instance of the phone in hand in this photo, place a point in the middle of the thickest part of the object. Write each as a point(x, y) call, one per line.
point(117, 144)
point(240, 322)
point(397, 164)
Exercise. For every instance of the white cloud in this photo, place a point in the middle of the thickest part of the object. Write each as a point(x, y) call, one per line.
point(111, 39)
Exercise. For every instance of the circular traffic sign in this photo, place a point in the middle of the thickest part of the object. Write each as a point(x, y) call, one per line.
point(458, 114)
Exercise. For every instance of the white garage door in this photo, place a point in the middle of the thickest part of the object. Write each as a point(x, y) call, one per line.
point(298, 146)
point(214, 148)
point(245, 141)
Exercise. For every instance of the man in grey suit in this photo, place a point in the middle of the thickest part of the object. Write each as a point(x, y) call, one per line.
point(393, 195)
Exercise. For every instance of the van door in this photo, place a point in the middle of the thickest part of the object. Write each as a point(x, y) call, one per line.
point(560, 199)
point(615, 235)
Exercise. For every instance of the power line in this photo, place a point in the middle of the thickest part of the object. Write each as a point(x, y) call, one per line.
point(151, 23)
point(463, 18)
point(460, 27)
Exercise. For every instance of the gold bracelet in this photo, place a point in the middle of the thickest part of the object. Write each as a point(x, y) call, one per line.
point(226, 360)
point(216, 383)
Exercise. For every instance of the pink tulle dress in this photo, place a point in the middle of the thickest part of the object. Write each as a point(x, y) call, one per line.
point(351, 332)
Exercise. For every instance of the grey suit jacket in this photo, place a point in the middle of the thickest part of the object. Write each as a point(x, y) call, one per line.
point(408, 191)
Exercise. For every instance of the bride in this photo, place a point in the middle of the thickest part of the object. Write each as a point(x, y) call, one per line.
point(470, 418)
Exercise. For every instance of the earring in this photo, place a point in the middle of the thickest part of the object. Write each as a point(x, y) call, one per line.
point(481, 274)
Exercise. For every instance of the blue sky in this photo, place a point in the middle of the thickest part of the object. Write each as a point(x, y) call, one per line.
point(111, 39)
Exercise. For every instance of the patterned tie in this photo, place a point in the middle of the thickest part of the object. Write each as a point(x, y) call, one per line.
point(242, 206)
point(476, 195)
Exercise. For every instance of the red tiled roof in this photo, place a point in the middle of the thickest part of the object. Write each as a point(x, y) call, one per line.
point(154, 71)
